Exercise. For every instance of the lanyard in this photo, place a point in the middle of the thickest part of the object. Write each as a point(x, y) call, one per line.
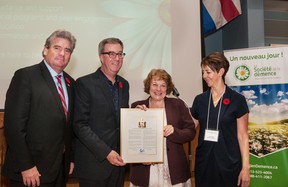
point(208, 113)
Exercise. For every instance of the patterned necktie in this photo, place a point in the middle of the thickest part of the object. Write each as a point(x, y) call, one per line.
point(62, 96)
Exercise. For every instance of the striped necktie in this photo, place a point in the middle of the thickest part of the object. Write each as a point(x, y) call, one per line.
point(62, 96)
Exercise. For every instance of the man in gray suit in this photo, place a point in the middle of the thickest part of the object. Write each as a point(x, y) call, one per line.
point(99, 97)
point(37, 119)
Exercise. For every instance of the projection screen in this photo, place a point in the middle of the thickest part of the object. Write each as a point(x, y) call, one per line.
point(156, 34)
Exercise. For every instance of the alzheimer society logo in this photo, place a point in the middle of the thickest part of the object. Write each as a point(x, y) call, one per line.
point(242, 73)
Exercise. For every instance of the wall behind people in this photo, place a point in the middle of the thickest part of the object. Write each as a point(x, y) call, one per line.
point(245, 31)
point(156, 34)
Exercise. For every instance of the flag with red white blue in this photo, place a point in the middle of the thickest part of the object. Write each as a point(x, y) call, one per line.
point(216, 13)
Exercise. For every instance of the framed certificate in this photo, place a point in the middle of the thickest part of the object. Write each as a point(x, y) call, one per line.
point(141, 135)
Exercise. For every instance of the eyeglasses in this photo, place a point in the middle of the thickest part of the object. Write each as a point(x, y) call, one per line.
point(113, 54)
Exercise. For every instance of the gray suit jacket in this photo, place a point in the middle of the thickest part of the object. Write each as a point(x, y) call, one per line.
point(35, 125)
point(96, 125)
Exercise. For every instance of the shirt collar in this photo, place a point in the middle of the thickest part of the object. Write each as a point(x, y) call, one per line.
point(106, 79)
point(52, 72)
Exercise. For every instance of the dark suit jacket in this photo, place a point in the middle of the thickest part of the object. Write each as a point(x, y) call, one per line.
point(96, 125)
point(184, 131)
point(35, 124)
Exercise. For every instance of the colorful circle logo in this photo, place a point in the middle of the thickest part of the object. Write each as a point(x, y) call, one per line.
point(242, 73)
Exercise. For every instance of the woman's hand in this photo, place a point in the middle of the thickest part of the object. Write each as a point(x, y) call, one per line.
point(244, 178)
point(142, 107)
point(168, 130)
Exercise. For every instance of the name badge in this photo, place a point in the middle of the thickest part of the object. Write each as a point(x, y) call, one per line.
point(211, 135)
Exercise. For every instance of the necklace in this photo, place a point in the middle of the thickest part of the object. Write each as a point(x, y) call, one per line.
point(215, 99)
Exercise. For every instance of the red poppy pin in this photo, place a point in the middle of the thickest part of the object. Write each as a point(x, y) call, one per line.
point(120, 85)
point(226, 101)
point(67, 81)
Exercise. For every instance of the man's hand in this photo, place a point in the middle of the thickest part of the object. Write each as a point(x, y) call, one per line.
point(71, 168)
point(115, 159)
point(31, 177)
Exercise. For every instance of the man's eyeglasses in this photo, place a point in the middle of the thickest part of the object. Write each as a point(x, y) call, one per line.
point(113, 54)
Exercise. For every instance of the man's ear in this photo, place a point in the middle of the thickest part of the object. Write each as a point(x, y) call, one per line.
point(101, 58)
point(45, 50)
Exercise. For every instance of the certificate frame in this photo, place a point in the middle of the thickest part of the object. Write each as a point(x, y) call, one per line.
point(141, 135)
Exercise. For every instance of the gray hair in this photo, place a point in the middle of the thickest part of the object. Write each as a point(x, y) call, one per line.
point(108, 41)
point(61, 34)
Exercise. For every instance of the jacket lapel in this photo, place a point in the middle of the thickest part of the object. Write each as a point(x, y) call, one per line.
point(105, 89)
point(120, 92)
point(52, 88)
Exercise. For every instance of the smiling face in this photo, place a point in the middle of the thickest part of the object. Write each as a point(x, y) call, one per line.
point(111, 66)
point(58, 54)
point(212, 78)
point(158, 89)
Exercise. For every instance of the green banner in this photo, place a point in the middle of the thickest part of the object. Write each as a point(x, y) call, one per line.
point(270, 171)
point(260, 74)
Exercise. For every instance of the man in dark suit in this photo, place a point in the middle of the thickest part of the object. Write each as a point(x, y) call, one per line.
point(99, 97)
point(38, 118)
